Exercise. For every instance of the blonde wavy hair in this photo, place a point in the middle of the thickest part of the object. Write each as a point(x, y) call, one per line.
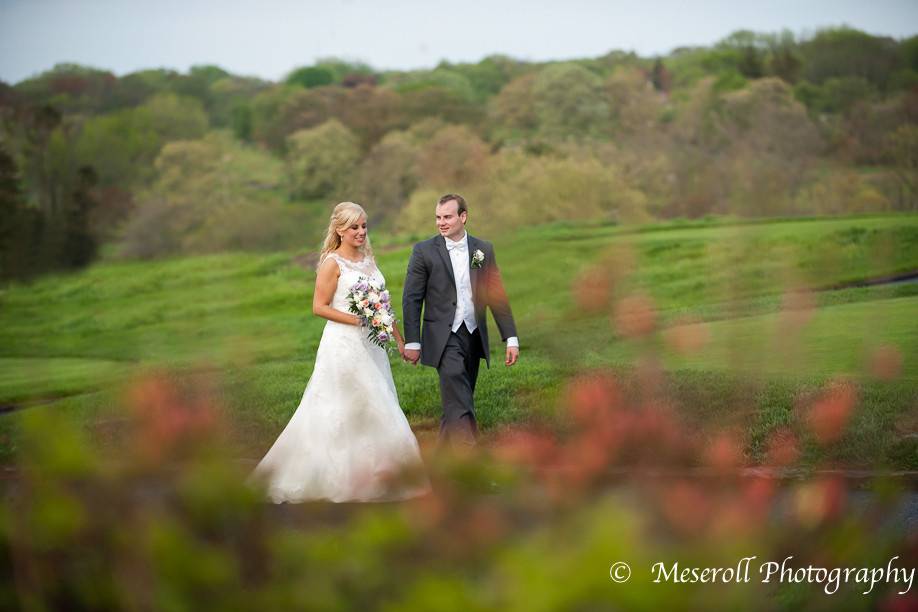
point(344, 215)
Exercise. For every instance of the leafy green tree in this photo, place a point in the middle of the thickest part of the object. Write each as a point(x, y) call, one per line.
point(388, 175)
point(418, 215)
point(231, 94)
point(121, 146)
point(771, 143)
point(8, 97)
point(488, 76)
point(453, 158)
point(835, 95)
point(31, 129)
point(747, 51)
point(270, 116)
point(346, 72)
point(909, 50)
point(660, 77)
point(860, 137)
point(906, 78)
point(280, 111)
point(576, 187)
point(443, 77)
point(904, 148)
point(208, 73)
point(241, 122)
point(570, 103)
point(198, 83)
point(751, 64)
point(210, 195)
point(444, 103)
point(635, 106)
point(19, 224)
point(52, 171)
point(55, 230)
point(517, 189)
point(79, 244)
point(723, 61)
point(766, 117)
point(321, 161)
point(370, 112)
point(310, 76)
point(784, 59)
point(841, 191)
point(367, 110)
point(742, 152)
point(175, 117)
point(54, 185)
point(512, 112)
point(846, 52)
point(72, 88)
point(134, 88)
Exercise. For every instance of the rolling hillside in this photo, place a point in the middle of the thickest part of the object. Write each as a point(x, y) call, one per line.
point(779, 305)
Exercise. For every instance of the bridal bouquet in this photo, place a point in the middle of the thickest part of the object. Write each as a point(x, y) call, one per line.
point(369, 300)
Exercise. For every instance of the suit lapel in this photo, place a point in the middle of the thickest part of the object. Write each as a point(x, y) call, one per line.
point(473, 272)
point(444, 254)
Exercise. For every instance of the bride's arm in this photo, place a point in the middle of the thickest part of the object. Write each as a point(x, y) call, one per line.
point(326, 283)
point(399, 339)
point(398, 335)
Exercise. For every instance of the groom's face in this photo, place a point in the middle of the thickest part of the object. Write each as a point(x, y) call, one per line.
point(450, 223)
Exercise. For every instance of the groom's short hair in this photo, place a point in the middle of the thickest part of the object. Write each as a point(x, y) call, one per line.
point(460, 202)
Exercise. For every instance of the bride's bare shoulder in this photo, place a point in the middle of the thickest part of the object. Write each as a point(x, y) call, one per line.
point(328, 266)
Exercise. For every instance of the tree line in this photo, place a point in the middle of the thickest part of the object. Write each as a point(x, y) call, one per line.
point(158, 163)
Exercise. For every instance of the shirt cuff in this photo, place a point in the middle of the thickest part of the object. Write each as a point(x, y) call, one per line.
point(512, 341)
point(412, 346)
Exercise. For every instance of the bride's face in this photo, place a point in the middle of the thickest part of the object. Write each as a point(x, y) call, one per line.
point(355, 234)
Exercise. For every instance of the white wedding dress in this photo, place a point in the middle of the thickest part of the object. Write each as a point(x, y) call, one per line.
point(348, 439)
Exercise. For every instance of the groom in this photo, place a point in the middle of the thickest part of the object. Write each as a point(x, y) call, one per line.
point(455, 277)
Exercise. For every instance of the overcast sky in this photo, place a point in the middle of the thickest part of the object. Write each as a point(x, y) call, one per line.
point(271, 37)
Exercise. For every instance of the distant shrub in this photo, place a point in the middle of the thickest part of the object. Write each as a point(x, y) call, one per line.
point(321, 161)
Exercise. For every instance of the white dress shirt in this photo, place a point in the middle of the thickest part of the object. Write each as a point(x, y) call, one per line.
point(465, 306)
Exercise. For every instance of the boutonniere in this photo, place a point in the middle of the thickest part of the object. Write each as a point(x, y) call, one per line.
point(477, 258)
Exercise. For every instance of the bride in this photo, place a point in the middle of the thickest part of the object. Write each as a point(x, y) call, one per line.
point(348, 439)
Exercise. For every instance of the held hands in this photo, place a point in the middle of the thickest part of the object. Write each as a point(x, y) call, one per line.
point(410, 355)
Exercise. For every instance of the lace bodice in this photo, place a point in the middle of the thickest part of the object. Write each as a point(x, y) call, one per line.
point(351, 271)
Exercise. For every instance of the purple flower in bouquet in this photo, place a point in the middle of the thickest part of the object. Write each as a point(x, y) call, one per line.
point(370, 301)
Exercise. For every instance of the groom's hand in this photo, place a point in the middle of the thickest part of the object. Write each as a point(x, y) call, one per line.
point(412, 356)
point(513, 353)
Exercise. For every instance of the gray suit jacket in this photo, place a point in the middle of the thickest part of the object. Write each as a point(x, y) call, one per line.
point(430, 282)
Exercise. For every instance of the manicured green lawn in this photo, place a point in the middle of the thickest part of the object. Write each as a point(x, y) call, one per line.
point(68, 342)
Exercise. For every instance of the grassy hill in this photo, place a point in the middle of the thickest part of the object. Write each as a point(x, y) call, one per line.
point(743, 317)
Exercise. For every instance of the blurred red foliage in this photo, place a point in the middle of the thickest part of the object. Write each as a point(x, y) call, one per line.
point(829, 414)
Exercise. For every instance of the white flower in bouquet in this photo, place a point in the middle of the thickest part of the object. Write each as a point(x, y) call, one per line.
point(370, 301)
